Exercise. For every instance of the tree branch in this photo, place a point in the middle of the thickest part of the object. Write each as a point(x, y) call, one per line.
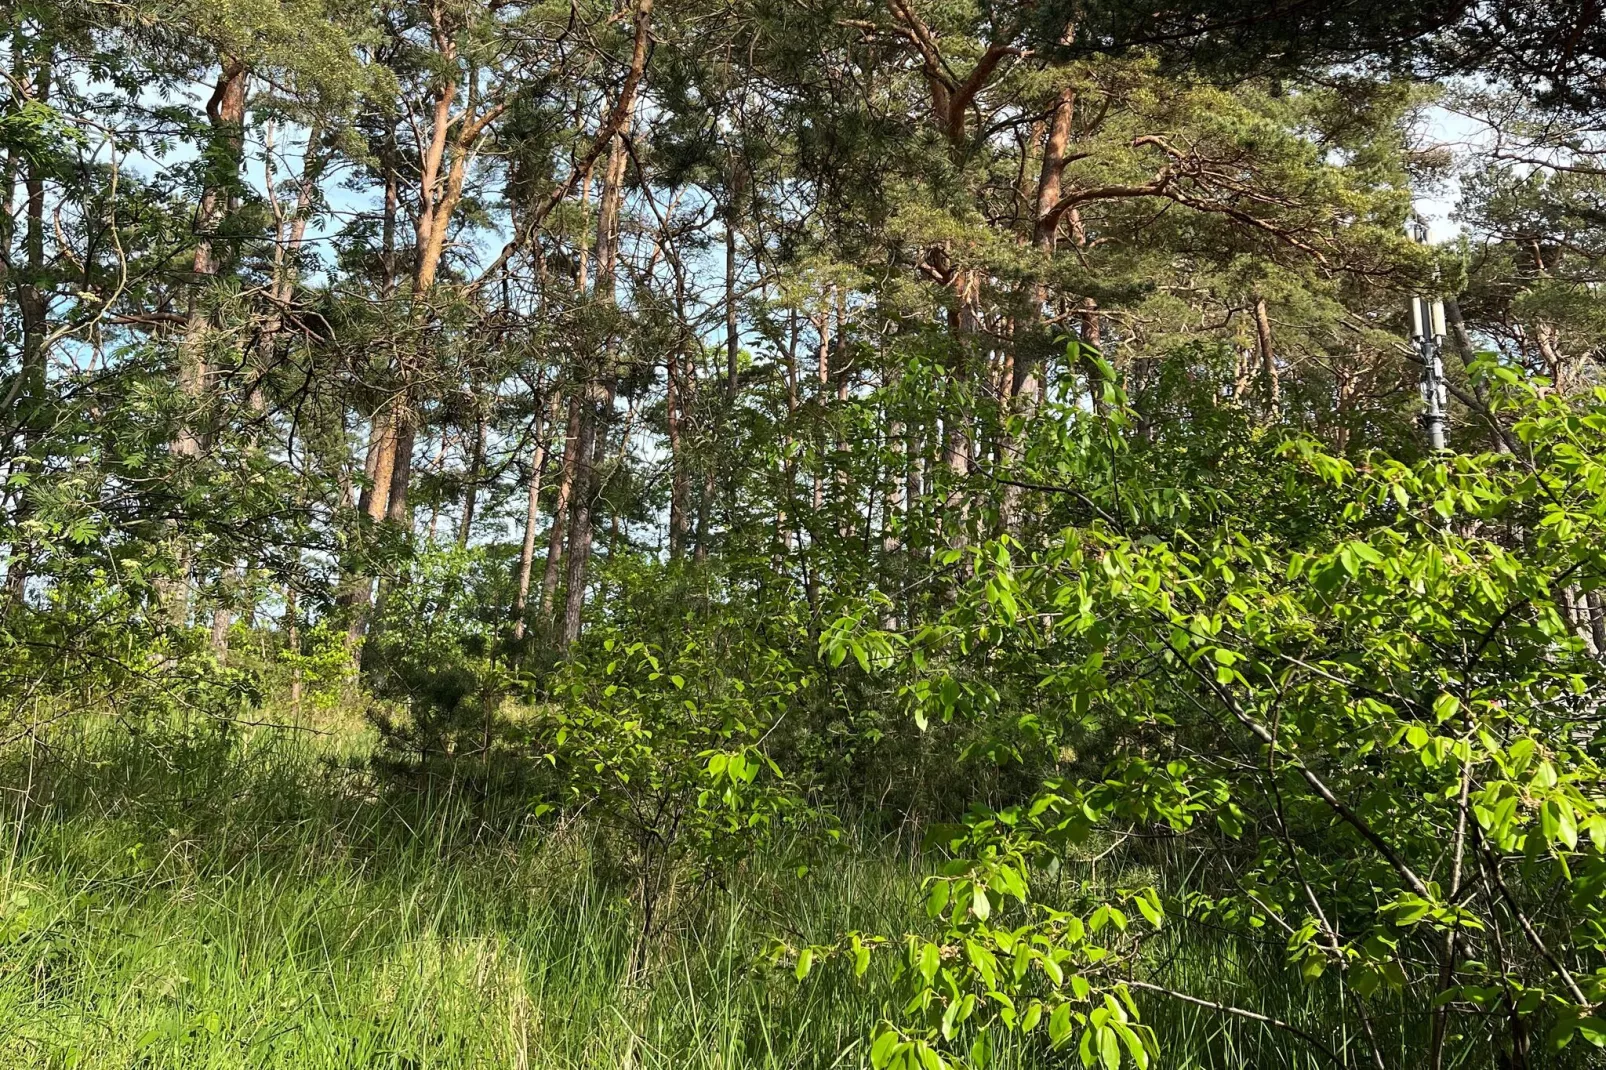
point(1253, 1016)
point(611, 125)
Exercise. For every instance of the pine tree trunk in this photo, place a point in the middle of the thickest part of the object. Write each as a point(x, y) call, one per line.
point(844, 482)
point(1270, 382)
point(560, 510)
point(1045, 231)
point(674, 403)
point(27, 392)
point(531, 513)
point(226, 116)
point(476, 467)
point(817, 501)
point(785, 536)
point(580, 527)
point(956, 421)
point(1024, 377)
point(732, 335)
point(597, 403)
point(225, 112)
point(1596, 608)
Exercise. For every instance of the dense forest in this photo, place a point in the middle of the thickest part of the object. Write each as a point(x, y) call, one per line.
point(907, 534)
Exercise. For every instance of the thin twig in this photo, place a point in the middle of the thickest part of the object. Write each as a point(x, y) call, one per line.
point(1253, 1016)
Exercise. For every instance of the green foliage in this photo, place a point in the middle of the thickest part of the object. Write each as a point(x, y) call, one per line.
point(436, 663)
point(1401, 759)
point(88, 650)
point(36, 132)
point(713, 449)
point(668, 749)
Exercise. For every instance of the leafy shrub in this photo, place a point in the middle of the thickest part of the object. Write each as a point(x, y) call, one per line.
point(1380, 739)
point(669, 750)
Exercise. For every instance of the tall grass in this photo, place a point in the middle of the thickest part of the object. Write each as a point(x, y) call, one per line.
point(201, 903)
point(198, 899)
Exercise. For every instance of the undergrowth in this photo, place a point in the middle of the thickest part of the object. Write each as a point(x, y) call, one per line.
point(202, 898)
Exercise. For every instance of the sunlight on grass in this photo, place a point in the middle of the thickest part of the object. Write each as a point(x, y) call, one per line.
point(183, 901)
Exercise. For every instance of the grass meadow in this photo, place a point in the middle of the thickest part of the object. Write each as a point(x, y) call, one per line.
point(191, 899)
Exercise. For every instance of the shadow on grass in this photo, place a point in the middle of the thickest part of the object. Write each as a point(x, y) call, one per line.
point(192, 897)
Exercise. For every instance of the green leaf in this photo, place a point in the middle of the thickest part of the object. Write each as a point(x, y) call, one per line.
point(1134, 1044)
point(881, 1050)
point(1109, 1048)
point(949, 1016)
point(1149, 906)
point(1409, 909)
point(1011, 882)
point(1059, 1025)
point(1566, 823)
point(1366, 552)
point(937, 900)
point(1596, 827)
point(1568, 828)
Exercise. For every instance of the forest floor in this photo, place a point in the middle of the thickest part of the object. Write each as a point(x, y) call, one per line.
point(202, 900)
